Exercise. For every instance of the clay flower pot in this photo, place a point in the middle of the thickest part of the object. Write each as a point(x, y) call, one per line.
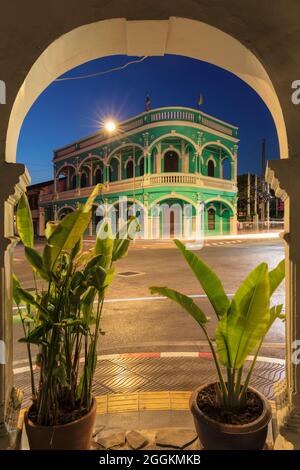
point(215, 435)
point(76, 435)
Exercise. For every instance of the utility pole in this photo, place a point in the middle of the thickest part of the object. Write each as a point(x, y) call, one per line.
point(255, 217)
point(263, 169)
point(248, 196)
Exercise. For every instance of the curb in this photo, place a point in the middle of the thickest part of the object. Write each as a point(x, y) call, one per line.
point(162, 355)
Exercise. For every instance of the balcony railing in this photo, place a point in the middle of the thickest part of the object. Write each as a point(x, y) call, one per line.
point(139, 182)
point(173, 178)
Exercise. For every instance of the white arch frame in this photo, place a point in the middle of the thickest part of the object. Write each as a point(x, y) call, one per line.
point(129, 159)
point(217, 144)
point(67, 165)
point(90, 157)
point(98, 167)
point(156, 37)
point(122, 147)
point(221, 199)
point(211, 159)
point(176, 134)
point(173, 196)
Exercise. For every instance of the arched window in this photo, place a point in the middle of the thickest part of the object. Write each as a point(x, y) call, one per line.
point(83, 180)
point(226, 169)
point(129, 169)
point(171, 162)
point(114, 170)
point(210, 168)
point(142, 166)
point(98, 176)
point(211, 219)
point(73, 181)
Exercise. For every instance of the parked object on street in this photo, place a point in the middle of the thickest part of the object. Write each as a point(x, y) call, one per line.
point(61, 321)
point(229, 414)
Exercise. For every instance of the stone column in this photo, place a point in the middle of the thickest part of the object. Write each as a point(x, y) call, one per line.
point(283, 175)
point(14, 179)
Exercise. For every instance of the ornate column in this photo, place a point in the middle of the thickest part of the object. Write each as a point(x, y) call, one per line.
point(158, 159)
point(14, 178)
point(283, 175)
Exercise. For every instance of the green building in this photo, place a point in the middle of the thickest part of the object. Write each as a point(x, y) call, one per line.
point(167, 165)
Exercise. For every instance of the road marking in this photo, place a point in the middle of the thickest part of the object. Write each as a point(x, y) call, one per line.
point(139, 299)
point(160, 355)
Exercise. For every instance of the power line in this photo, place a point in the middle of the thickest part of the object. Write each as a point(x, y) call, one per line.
point(97, 74)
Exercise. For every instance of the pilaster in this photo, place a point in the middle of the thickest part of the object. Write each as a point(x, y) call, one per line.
point(283, 176)
point(14, 178)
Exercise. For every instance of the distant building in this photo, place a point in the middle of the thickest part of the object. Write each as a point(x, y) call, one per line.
point(34, 192)
point(165, 156)
point(256, 200)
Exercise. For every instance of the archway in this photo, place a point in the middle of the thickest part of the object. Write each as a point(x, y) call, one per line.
point(171, 162)
point(211, 168)
point(113, 169)
point(176, 35)
point(63, 211)
point(129, 169)
point(218, 218)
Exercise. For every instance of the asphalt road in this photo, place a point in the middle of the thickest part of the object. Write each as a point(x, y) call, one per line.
point(133, 322)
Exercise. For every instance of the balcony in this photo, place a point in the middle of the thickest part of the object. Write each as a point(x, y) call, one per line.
point(147, 181)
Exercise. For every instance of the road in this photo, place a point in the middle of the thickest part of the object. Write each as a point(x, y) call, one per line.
point(133, 321)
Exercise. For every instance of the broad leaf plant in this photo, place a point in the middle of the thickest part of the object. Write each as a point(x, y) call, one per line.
point(62, 316)
point(242, 323)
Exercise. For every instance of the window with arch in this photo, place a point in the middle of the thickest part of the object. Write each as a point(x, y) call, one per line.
point(129, 169)
point(83, 180)
point(142, 166)
point(98, 176)
point(114, 170)
point(210, 168)
point(211, 219)
point(171, 162)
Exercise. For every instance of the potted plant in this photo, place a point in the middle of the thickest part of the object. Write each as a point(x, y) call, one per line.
point(60, 321)
point(229, 414)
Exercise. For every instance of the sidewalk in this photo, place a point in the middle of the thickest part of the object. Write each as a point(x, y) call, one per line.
point(162, 372)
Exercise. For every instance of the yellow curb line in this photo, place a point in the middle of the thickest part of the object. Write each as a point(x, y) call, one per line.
point(141, 401)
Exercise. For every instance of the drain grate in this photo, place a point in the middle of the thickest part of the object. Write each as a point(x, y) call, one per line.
point(129, 273)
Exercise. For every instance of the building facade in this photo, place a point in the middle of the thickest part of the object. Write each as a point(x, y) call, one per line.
point(167, 164)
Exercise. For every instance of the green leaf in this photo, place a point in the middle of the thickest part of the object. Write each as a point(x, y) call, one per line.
point(36, 336)
point(93, 262)
point(50, 227)
point(125, 235)
point(104, 243)
point(16, 295)
point(240, 331)
point(276, 276)
point(77, 249)
point(50, 255)
point(89, 203)
point(87, 303)
point(24, 222)
point(70, 230)
point(208, 279)
point(184, 301)
point(36, 261)
point(30, 299)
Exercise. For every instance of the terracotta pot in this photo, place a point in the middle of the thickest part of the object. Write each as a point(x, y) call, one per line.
point(220, 436)
point(76, 435)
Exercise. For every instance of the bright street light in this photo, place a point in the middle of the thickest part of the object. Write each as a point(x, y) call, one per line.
point(110, 126)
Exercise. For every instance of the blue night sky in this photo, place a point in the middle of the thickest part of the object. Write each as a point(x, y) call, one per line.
point(69, 110)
